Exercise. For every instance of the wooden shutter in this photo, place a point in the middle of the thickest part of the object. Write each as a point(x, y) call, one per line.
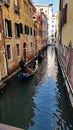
point(9, 28)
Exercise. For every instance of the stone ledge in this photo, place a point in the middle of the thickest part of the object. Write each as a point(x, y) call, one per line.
point(2, 85)
point(7, 127)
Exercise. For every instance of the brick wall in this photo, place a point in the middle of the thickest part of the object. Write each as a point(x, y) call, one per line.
point(66, 56)
point(70, 67)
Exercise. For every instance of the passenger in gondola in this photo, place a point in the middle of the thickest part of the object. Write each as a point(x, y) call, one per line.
point(34, 64)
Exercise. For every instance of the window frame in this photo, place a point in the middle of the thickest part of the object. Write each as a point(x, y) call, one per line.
point(18, 49)
point(8, 28)
point(9, 57)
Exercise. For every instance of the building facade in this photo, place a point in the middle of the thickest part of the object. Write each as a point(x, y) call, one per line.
point(40, 22)
point(66, 42)
point(16, 34)
point(53, 29)
point(20, 36)
point(44, 9)
point(44, 30)
point(47, 9)
point(3, 60)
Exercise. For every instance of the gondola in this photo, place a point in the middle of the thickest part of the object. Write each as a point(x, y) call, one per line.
point(31, 71)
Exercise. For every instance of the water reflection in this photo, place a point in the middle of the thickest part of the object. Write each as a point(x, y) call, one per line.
point(40, 102)
point(51, 68)
point(16, 104)
point(62, 114)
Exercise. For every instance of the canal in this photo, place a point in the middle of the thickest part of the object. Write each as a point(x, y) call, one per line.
point(40, 102)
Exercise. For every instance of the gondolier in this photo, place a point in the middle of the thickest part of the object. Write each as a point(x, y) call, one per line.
point(21, 64)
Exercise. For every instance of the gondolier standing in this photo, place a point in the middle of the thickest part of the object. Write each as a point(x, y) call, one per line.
point(22, 63)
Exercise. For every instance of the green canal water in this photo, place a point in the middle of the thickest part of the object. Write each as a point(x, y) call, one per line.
point(40, 102)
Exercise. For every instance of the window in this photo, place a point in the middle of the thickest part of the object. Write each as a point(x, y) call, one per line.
point(60, 5)
point(31, 44)
point(8, 52)
point(65, 14)
point(26, 29)
point(30, 11)
point(34, 33)
point(8, 28)
point(41, 22)
point(30, 31)
point(17, 30)
point(52, 35)
point(53, 26)
point(21, 28)
point(17, 48)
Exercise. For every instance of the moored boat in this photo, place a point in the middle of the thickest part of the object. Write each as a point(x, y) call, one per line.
point(29, 71)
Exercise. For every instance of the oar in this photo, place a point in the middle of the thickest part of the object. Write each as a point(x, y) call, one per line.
point(29, 68)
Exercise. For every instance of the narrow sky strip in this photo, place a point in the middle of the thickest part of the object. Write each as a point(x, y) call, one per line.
point(54, 2)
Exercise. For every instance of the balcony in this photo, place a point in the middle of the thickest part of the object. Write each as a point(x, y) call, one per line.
point(1, 3)
point(7, 2)
point(16, 9)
